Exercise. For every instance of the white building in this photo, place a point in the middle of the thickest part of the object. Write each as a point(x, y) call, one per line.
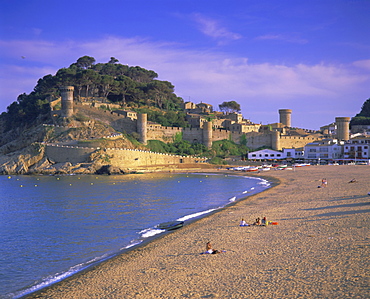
point(323, 150)
point(294, 153)
point(266, 154)
point(357, 149)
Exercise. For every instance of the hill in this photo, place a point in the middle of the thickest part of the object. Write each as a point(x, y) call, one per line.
point(362, 118)
point(35, 139)
point(110, 83)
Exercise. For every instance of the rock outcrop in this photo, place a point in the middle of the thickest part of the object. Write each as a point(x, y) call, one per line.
point(20, 161)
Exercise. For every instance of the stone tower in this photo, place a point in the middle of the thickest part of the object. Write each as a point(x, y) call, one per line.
point(342, 127)
point(285, 117)
point(66, 93)
point(142, 127)
point(207, 134)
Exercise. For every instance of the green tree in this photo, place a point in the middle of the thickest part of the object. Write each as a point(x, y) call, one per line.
point(113, 60)
point(362, 118)
point(231, 106)
point(85, 62)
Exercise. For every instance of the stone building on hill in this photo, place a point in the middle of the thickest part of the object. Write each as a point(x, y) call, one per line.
point(207, 126)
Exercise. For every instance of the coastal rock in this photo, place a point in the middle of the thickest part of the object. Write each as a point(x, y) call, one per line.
point(19, 162)
point(109, 169)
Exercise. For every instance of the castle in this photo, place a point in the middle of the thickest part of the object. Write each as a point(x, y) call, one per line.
point(207, 126)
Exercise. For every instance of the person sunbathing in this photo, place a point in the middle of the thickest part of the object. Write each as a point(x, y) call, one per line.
point(258, 221)
point(210, 250)
point(243, 223)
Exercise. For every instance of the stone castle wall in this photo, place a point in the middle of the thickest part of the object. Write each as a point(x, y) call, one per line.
point(73, 154)
point(192, 135)
point(296, 141)
point(278, 142)
point(122, 158)
point(127, 158)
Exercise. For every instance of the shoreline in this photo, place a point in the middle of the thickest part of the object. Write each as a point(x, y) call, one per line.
point(170, 266)
point(202, 214)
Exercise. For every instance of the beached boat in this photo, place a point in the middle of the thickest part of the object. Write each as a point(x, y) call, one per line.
point(172, 225)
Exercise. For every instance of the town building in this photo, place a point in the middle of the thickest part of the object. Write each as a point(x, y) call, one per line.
point(357, 149)
point(323, 150)
point(294, 153)
point(266, 154)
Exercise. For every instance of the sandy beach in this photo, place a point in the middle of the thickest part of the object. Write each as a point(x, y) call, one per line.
point(319, 249)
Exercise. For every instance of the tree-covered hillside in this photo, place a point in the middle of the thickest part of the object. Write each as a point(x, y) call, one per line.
point(362, 118)
point(131, 87)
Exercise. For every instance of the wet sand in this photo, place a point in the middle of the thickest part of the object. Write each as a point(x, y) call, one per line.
point(319, 249)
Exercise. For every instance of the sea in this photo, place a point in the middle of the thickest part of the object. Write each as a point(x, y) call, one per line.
point(52, 227)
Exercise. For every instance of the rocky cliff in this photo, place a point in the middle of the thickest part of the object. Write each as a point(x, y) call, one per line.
point(22, 149)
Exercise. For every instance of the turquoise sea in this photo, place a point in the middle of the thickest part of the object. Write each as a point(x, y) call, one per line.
point(52, 227)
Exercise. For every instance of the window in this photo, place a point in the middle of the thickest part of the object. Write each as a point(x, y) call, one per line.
point(312, 150)
point(253, 155)
point(288, 154)
point(278, 155)
point(272, 155)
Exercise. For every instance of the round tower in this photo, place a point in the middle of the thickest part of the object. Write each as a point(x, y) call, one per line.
point(66, 93)
point(342, 127)
point(142, 127)
point(207, 134)
point(285, 117)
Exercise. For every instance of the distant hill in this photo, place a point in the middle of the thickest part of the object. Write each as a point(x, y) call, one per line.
point(362, 118)
point(111, 82)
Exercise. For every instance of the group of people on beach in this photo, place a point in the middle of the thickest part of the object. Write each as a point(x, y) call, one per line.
point(258, 221)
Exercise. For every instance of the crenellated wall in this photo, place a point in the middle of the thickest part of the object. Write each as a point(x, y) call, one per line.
point(73, 154)
point(122, 158)
point(274, 140)
point(126, 158)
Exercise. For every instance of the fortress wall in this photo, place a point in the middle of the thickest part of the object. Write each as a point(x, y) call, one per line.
point(296, 141)
point(235, 136)
point(62, 154)
point(123, 124)
point(125, 158)
point(193, 135)
point(257, 140)
point(165, 134)
point(219, 134)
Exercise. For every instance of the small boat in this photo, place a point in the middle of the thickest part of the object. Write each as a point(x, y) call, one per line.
point(172, 225)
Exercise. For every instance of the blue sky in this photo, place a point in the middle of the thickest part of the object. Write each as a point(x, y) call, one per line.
point(309, 56)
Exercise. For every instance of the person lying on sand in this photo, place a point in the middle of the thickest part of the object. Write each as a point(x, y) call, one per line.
point(243, 223)
point(258, 221)
point(352, 181)
point(210, 250)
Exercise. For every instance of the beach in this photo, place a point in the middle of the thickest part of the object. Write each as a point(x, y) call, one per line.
point(318, 249)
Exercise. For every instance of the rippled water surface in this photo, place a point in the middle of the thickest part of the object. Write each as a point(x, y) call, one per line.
point(54, 226)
